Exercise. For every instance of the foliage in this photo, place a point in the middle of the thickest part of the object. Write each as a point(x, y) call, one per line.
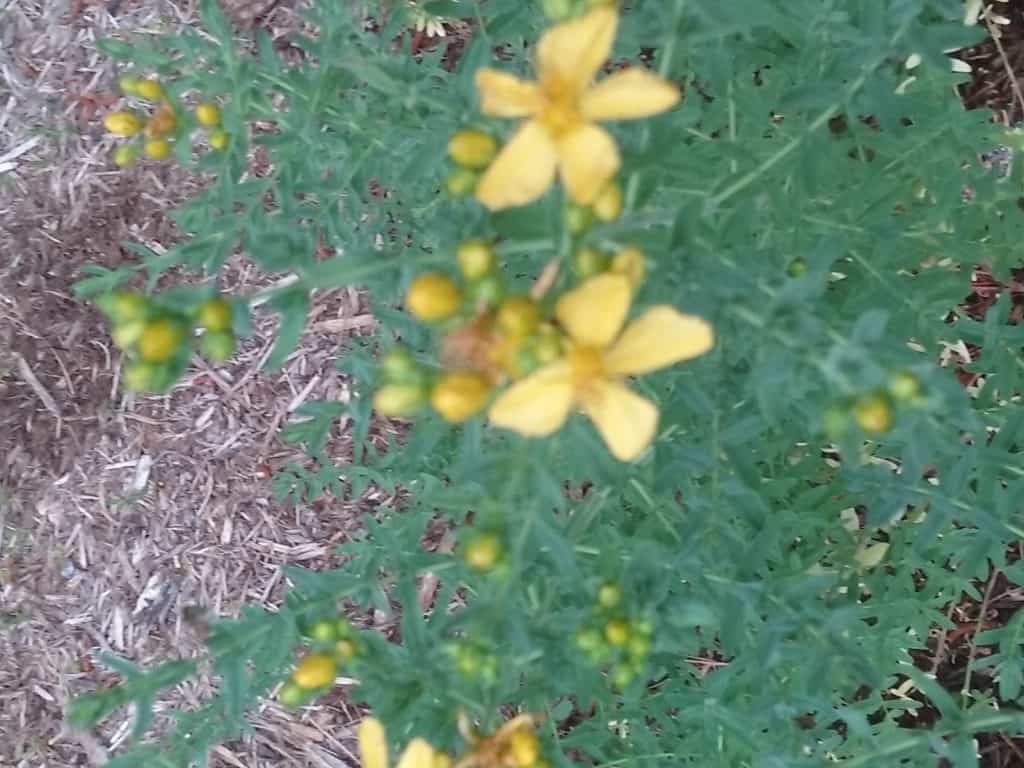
point(785, 546)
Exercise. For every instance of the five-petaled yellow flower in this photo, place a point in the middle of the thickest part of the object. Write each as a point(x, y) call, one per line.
point(562, 110)
point(600, 356)
point(373, 749)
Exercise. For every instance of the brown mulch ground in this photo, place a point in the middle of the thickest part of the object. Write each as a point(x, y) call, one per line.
point(122, 517)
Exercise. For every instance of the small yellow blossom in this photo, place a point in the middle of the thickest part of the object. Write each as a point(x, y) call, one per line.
point(373, 749)
point(513, 745)
point(601, 355)
point(561, 133)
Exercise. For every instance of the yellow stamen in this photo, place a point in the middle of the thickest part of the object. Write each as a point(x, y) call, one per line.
point(587, 365)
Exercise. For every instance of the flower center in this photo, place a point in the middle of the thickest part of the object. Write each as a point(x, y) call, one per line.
point(587, 365)
point(559, 112)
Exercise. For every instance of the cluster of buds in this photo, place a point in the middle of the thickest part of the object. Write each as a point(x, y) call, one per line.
point(333, 642)
point(473, 660)
point(156, 128)
point(875, 412)
point(489, 335)
point(159, 339)
point(612, 637)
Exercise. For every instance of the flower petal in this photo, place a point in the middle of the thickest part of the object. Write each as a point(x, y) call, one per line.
point(660, 337)
point(593, 314)
point(588, 159)
point(504, 95)
point(522, 171)
point(570, 54)
point(629, 93)
point(373, 744)
point(626, 421)
point(538, 405)
point(419, 754)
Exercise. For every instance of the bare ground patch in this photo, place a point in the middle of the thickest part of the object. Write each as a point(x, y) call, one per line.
point(124, 521)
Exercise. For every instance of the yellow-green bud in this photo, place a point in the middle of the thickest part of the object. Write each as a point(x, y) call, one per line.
point(873, 414)
point(398, 400)
point(218, 139)
point(158, 149)
point(483, 552)
point(459, 396)
point(323, 631)
point(217, 346)
point(160, 340)
point(315, 671)
point(472, 149)
point(608, 205)
point(433, 297)
point(397, 366)
point(609, 595)
point(123, 123)
point(904, 385)
point(292, 696)
point(632, 264)
point(589, 262)
point(123, 306)
point(797, 267)
point(129, 84)
point(208, 114)
point(215, 315)
point(461, 182)
point(518, 316)
point(151, 90)
point(616, 632)
point(578, 218)
point(476, 258)
point(125, 155)
point(125, 335)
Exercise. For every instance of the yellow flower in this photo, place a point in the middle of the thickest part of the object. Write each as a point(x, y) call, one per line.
point(373, 749)
point(513, 745)
point(560, 133)
point(601, 355)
